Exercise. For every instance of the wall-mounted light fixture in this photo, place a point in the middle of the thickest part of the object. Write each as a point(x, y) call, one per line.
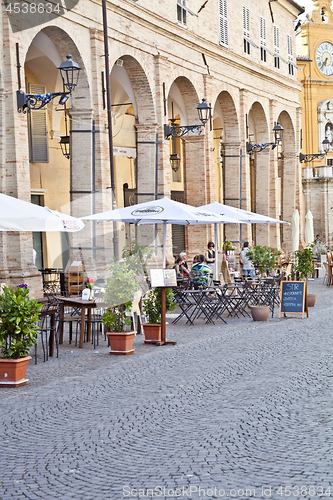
point(278, 135)
point(303, 158)
point(69, 71)
point(204, 111)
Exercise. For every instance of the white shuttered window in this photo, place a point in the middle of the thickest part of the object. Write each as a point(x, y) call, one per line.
point(276, 47)
point(262, 29)
point(246, 29)
point(290, 54)
point(37, 129)
point(223, 22)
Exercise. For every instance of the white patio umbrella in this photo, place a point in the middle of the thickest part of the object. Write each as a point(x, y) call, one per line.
point(309, 233)
point(19, 215)
point(163, 211)
point(239, 216)
point(295, 230)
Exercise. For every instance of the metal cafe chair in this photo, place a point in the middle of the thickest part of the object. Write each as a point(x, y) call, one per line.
point(72, 316)
point(186, 303)
point(96, 323)
point(48, 328)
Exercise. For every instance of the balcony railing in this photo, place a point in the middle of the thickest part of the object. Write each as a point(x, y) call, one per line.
point(321, 172)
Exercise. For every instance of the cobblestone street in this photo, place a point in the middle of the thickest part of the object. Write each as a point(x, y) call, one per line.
point(239, 410)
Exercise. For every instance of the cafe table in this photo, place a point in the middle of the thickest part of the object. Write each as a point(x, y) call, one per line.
point(78, 303)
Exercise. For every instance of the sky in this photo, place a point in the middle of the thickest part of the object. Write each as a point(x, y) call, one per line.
point(307, 4)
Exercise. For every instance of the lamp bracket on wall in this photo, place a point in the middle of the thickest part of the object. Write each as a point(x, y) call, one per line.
point(278, 134)
point(69, 71)
point(303, 158)
point(180, 131)
point(28, 102)
point(256, 148)
point(310, 157)
point(204, 113)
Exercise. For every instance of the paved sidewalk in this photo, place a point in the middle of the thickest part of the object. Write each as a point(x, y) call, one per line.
point(243, 410)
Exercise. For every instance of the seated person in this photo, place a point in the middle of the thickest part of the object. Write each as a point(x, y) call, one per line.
point(184, 266)
point(178, 267)
point(200, 272)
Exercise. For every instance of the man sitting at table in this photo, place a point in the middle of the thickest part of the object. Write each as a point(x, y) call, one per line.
point(200, 273)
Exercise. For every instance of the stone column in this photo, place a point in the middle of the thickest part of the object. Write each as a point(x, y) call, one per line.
point(17, 256)
point(232, 186)
point(289, 197)
point(146, 182)
point(262, 194)
point(196, 183)
point(81, 185)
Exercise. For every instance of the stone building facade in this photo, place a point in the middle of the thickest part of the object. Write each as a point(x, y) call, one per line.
point(315, 60)
point(165, 57)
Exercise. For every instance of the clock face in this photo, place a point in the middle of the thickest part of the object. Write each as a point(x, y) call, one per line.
point(324, 58)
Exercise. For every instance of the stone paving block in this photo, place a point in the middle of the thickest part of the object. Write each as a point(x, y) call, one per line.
point(247, 404)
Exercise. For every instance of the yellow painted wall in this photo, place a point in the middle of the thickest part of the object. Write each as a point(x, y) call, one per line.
point(316, 86)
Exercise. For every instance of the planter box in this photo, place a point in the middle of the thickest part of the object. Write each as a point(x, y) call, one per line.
point(152, 332)
point(121, 342)
point(13, 371)
point(260, 313)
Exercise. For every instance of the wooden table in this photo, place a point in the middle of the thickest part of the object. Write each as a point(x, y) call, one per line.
point(78, 304)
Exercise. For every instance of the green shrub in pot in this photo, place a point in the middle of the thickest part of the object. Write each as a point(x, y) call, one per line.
point(152, 304)
point(18, 326)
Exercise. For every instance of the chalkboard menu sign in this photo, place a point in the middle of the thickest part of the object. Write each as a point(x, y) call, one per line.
point(293, 298)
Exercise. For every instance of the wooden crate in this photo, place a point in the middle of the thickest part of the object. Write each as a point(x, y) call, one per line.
point(74, 278)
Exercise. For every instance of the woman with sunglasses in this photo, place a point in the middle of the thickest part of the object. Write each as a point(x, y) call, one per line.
point(210, 254)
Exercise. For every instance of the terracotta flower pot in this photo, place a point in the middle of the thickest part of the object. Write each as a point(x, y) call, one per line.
point(13, 371)
point(152, 332)
point(121, 342)
point(311, 299)
point(260, 313)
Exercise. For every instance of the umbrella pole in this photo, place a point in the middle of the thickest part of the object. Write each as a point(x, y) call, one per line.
point(216, 253)
point(163, 340)
point(164, 244)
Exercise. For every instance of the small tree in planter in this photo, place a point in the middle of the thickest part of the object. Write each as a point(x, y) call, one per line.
point(264, 259)
point(120, 288)
point(304, 267)
point(137, 256)
point(18, 333)
point(304, 262)
point(152, 309)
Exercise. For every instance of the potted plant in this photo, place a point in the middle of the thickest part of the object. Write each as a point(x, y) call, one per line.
point(264, 259)
point(18, 333)
point(137, 257)
point(120, 288)
point(228, 248)
point(304, 267)
point(152, 309)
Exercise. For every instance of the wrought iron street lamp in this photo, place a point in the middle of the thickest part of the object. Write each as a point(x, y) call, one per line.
point(175, 161)
point(303, 158)
point(204, 113)
point(278, 135)
point(69, 71)
point(65, 140)
point(64, 144)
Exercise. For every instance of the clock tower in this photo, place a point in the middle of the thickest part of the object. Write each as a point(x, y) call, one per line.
point(315, 62)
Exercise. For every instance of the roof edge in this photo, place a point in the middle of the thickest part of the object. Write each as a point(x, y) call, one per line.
point(297, 6)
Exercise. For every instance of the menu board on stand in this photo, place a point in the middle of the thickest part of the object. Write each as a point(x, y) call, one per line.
point(163, 278)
